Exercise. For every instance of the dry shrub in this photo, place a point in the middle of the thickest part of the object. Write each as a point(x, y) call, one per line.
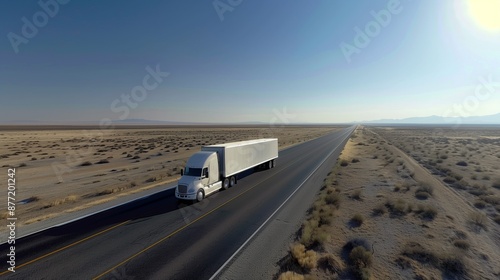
point(331, 263)
point(457, 177)
point(325, 215)
point(397, 208)
point(101, 193)
point(428, 212)
point(478, 190)
point(497, 219)
point(360, 257)
point(344, 163)
point(379, 210)
point(333, 199)
point(362, 273)
point(491, 199)
point(496, 184)
point(329, 187)
point(422, 195)
point(318, 204)
point(306, 259)
point(68, 199)
point(462, 244)
point(406, 186)
point(449, 180)
point(312, 232)
point(31, 199)
point(478, 220)
point(151, 180)
point(403, 262)
point(356, 194)
point(290, 275)
point(461, 185)
point(451, 265)
point(357, 219)
point(361, 260)
point(322, 213)
point(415, 251)
point(426, 188)
point(479, 204)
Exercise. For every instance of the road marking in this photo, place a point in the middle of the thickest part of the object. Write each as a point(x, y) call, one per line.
point(66, 247)
point(199, 218)
point(266, 221)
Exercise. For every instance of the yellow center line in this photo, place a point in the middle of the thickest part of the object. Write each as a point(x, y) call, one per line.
point(188, 224)
point(65, 247)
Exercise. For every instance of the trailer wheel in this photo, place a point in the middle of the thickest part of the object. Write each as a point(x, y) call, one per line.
point(270, 164)
point(232, 181)
point(200, 195)
point(274, 163)
point(225, 183)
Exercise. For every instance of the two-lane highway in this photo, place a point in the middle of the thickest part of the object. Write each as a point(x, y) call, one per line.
point(158, 238)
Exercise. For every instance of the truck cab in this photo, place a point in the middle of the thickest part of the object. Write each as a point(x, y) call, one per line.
point(200, 177)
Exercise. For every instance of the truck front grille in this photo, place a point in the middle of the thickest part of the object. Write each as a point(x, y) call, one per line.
point(182, 189)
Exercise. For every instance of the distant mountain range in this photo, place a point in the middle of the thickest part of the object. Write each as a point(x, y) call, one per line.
point(491, 119)
point(122, 122)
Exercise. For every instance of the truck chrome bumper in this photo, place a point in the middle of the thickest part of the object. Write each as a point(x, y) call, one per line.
point(186, 196)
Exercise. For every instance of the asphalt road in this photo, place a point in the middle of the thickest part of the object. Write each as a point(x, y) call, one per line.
point(159, 238)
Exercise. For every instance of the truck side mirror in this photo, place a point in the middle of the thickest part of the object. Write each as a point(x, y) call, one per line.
point(182, 171)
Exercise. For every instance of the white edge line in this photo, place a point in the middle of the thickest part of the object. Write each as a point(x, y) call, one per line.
point(282, 204)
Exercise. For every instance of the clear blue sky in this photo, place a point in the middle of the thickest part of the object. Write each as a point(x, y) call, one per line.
point(249, 61)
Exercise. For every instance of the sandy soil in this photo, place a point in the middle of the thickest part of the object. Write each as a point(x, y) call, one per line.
point(66, 169)
point(465, 159)
point(407, 233)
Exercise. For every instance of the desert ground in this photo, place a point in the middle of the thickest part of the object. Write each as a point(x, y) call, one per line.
point(65, 169)
point(400, 204)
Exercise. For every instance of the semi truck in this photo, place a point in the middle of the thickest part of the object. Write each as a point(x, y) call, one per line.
point(216, 167)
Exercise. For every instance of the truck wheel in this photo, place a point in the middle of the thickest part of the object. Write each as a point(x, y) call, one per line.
point(200, 195)
point(270, 164)
point(232, 181)
point(274, 163)
point(225, 183)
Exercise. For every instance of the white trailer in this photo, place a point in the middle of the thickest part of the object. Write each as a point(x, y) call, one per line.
point(217, 167)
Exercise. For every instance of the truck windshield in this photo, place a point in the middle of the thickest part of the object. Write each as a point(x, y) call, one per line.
point(193, 172)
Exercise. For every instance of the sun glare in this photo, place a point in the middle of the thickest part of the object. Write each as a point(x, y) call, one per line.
point(486, 13)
